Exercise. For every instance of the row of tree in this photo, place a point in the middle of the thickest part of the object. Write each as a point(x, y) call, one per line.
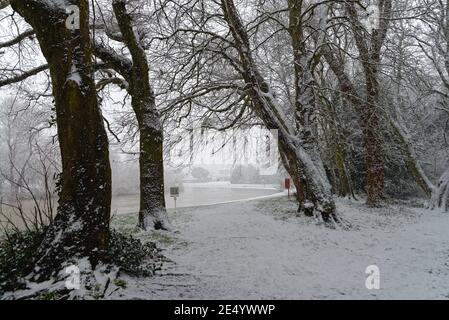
point(336, 85)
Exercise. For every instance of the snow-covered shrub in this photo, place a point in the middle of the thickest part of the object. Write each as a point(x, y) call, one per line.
point(17, 254)
point(16, 257)
point(134, 257)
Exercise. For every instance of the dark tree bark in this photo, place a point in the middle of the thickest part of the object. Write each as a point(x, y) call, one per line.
point(369, 47)
point(305, 104)
point(373, 142)
point(152, 213)
point(297, 148)
point(336, 141)
point(81, 226)
point(369, 120)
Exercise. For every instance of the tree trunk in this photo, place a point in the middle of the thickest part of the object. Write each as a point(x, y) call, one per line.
point(368, 112)
point(369, 47)
point(152, 213)
point(303, 160)
point(336, 143)
point(81, 226)
point(373, 144)
point(344, 185)
point(315, 193)
point(440, 195)
point(413, 164)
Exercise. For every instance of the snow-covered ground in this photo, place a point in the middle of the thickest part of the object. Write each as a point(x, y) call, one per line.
point(261, 250)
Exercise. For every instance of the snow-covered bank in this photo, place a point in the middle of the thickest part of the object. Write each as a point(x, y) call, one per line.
point(260, 250)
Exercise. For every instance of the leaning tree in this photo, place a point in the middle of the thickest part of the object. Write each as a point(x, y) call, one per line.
point(296, 143)
point(220, 61)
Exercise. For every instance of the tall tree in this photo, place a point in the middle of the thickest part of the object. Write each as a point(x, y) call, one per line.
point(135, 79)
point(81, 227)
point(152, 213)
point(296, 145)
point(304, 63)
point(369, 42)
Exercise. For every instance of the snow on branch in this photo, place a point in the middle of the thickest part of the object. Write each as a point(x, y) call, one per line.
point(24, 75)
point(17, 39)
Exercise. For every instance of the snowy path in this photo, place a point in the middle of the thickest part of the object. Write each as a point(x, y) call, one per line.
point(243, 251)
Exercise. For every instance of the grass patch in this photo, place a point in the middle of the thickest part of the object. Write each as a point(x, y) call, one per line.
point(120, 283)
point(281, 208)
point(161, 238)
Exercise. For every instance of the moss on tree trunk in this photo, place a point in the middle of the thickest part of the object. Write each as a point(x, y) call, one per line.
point(81, 226)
